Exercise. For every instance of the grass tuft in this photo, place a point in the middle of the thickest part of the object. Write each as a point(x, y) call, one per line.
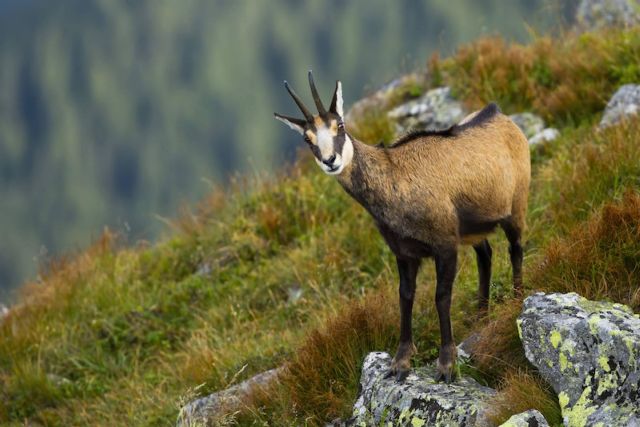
point(600, 258)
point(520, 391)
point(566, 79)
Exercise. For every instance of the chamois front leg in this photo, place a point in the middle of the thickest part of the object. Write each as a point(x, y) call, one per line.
point(446, 264)
point(401, 363)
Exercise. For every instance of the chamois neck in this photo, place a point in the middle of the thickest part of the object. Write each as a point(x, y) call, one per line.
point(368, 169)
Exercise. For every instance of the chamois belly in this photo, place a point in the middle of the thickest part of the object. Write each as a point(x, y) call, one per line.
point(474, 225)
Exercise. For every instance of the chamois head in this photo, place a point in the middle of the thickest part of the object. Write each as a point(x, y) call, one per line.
point(323, 133)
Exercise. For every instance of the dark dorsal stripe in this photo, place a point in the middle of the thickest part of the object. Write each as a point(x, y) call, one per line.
point(483, 117)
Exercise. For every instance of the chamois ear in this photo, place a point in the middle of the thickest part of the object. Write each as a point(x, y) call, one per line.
point(292, 122)
point(336, 101)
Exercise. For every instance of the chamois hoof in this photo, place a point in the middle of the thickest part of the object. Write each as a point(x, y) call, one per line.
point(448, 377)
point(399, 374)
point(401, 363)
point(447, 368)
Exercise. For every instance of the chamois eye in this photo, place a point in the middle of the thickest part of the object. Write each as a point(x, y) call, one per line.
point(307, 140)
point(341, 126)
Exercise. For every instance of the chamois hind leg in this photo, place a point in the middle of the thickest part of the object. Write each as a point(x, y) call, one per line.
point(446, 264)
point(483, 257)
point(513, 231)
point(401, 363)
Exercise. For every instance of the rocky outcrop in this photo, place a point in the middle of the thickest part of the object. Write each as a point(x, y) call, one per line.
point(436, 109)
point(206, 410)
point(534, 128)
point(419, 400)
point(546, 135)
point(624, 103)
point(589, 352)
point(593, 14)
point(385, 97)
point(531, 418)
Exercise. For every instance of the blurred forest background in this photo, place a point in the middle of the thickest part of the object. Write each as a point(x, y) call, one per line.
point(116, 112)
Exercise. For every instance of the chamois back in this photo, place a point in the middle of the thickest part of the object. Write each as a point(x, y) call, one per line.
point(476, 119)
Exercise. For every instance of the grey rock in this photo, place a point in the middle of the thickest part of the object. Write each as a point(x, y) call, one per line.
point(546, 135)
point(530, 418)
point(4, 312)
point(58, 381)
point(419, 400)
point(624, 103)
point(465, 348)
point(383, 98)
point(436, 109)
point(589, 352)
point(204, 269)
point(294, 293)
point(593, 14)
point(534, 128)
point(529, 123)
point(207, 410)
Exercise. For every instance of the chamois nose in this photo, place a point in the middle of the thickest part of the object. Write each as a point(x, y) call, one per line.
point(330, 160)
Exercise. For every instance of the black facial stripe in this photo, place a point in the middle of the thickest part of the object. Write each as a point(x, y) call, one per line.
point(316, 151)
point(338, 142)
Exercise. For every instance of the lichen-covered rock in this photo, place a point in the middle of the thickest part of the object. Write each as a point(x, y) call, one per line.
point(419, 400)
point(207, 410)
point(546, 135)
point(534, 128)
point(531, 418)
point(385, 97)
point(593, 14)
point(529, 123)
point(436, 109)
point(589, 352)
point(624, 103)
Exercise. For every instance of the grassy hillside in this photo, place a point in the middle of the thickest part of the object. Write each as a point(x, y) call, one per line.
point(114, 112)
point(120, 335)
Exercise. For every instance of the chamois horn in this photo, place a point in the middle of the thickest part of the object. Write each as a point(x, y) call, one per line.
point(316, 97)
point(334, 101)
point(296, 98)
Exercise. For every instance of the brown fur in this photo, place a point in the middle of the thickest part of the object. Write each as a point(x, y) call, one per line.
point(420, 189)
point(428, 193)
point(433, 191)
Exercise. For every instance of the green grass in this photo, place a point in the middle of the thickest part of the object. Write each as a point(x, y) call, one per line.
point(121, 335)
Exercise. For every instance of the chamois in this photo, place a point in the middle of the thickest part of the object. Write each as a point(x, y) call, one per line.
point(429, 193)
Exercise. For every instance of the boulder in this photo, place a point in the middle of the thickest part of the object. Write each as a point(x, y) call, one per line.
point(419, 400)
point(436, 109)
point(594, 14)
point(534, 128)
point(206, 410)
point(385, 97)
point(546, 135)
point(624, 103)
point(529, 123)
point(531, 418)
point(589, 352)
